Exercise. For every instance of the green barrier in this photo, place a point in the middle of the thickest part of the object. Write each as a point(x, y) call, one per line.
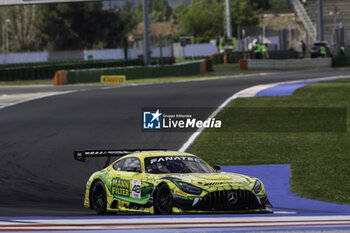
point(219, 58)
point(209, 65)
point(197, 58)
point(341, 61)
point(33, 71)
point(93, 75)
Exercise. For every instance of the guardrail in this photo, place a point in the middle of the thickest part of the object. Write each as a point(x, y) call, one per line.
point(304, 63)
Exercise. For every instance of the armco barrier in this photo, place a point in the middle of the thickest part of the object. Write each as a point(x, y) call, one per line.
point(93, 75)
point(289, 63)
point(234, 57)
point(228, 58)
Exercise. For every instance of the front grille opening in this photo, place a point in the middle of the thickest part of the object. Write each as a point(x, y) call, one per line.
point(229, 200)
point(114, 204)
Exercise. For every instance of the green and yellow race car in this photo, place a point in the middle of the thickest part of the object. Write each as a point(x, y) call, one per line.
point(166, 182)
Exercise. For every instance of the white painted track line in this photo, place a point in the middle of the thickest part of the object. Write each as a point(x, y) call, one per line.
point(173, 223)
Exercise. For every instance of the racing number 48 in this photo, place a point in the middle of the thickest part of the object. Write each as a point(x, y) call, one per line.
point(136, 189)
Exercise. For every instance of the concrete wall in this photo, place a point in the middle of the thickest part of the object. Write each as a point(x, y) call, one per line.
point(289, 63)
point(166, 52)
point(66, 55)
point(23, 57)
point(102, 54)
point(196, 50)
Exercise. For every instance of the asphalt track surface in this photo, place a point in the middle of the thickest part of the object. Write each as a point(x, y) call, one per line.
point(38, 176)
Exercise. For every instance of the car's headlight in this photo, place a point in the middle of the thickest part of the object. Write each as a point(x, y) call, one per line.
point(189, 188)
point(257, 186)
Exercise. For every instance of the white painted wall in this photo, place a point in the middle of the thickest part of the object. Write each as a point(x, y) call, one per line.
point(166, 52)
point(133, 53)
point(110, 54)
point(196, 50)
point(23, 57)
point(45, 56)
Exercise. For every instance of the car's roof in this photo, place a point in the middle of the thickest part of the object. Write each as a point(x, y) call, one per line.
point(157, 153)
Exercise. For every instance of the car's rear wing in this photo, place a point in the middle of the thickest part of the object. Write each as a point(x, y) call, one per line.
point(82, 155)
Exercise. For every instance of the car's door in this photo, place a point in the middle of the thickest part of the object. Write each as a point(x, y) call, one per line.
point(126, 181)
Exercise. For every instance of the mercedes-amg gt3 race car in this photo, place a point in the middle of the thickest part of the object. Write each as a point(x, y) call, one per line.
point(165, 182)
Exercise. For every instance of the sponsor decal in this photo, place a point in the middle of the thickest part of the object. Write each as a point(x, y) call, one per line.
point(121, 187)
point(112, 79)
point(173, 158)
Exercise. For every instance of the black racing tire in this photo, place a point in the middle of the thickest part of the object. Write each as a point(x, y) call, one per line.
point(163, 202)
point(98, 197)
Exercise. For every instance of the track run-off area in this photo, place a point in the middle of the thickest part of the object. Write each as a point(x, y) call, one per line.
point(42, 187)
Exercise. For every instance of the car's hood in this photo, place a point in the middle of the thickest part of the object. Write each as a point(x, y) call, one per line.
point(213, 179)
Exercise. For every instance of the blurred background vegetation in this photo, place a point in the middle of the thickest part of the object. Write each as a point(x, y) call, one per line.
point(98, 25)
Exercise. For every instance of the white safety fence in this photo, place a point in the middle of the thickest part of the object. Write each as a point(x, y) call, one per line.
point(67, 55)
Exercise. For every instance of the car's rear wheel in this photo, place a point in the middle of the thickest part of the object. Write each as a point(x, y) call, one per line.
point(98, 197)
point(163, 203)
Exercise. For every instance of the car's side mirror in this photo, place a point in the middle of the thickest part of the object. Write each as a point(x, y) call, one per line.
point(217, 167)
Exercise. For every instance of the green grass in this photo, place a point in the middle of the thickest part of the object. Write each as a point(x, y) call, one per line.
point(225, 67)
point(27, 82)
point(320, 161)
point(183, 60)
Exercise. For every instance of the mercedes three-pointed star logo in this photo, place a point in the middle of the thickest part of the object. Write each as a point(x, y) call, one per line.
point(232, 198)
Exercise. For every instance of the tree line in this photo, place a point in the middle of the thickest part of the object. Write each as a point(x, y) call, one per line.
point(75, 26)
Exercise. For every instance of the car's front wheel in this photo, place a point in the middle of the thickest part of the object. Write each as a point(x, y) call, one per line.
point(98, 197)
point(163, 203)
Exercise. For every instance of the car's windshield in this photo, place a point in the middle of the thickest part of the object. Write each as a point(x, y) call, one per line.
point(176, 164)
